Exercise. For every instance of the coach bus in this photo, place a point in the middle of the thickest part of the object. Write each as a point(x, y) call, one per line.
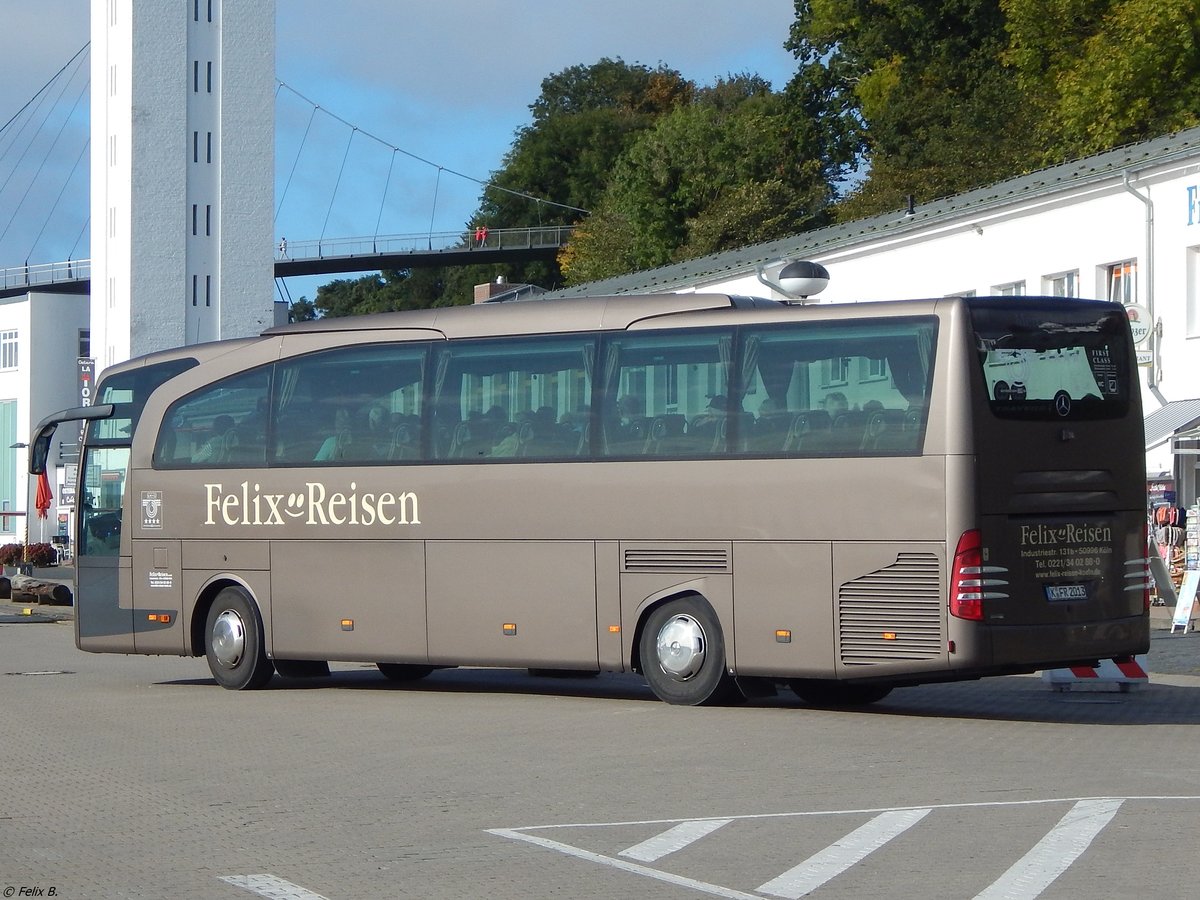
point(724, 494)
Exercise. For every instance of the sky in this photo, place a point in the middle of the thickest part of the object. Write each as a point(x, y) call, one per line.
point(450, 83)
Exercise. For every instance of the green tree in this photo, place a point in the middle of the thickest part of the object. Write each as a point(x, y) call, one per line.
point(584, 119)
point(302, 310)
point(725, 170)
point(923, 89)
point(391, 289)
point(1122, 71)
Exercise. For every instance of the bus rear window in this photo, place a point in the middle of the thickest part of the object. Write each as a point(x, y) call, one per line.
point(1053, 359)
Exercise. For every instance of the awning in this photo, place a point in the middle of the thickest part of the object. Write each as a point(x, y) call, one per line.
point(1162, 424)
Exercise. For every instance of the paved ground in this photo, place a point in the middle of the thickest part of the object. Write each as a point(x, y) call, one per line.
point(137, 777)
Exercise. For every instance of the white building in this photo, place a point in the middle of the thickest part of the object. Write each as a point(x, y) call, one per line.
point(182, 173)
point(1122, 225)
point(41, 336)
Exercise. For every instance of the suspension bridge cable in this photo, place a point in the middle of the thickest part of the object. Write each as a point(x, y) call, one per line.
point(383, 199)
point(21, 130)
point(45, 157)
point(421, 159)
point(79, 238)
point(43, 87)
point(341, 169)
point(62, 191)
point(296, 161)
point(433, 211)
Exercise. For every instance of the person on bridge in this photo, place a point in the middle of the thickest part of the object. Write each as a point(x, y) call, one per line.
point(481, 234)
point(283, 248)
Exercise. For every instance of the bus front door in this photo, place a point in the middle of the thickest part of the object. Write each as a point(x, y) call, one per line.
point(103, 576)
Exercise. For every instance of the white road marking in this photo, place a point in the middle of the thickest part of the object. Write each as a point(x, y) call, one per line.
point(1026, 880)
point(714, 889)
point(1053, 854)
point(270, 886)
point(673, 839)
point(841, 855)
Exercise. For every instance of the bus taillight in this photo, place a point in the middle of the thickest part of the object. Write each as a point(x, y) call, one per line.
point(966, 590)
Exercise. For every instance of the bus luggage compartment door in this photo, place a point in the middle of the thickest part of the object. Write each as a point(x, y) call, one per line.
point(512, 603)
point(348, 600)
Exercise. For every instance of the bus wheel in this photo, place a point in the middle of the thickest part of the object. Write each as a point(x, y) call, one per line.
point(838, 693)
point(683, 654)
point(403, 671)
point(234, 642)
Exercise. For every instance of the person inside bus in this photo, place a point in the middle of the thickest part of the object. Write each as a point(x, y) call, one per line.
point(213, 449)
point(379, 431)
point(835, 404)
point(336, 444)
point(630, 408)
point(709, 420)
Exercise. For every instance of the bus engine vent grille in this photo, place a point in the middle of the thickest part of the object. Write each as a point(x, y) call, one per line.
point(675, 559)
point(892, 614)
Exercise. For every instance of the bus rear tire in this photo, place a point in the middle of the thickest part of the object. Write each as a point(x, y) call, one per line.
point(683, 654)
point(838, 693)
point(234, 642)
point(403, 671)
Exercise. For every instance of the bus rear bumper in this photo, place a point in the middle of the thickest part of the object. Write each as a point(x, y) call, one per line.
point(1058, 645)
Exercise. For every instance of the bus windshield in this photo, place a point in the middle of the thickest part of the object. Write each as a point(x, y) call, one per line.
point(1050, 363)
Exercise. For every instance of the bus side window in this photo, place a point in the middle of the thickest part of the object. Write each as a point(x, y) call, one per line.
point(514, 399)
point(221, 424)
point(844, 389)
point(668, 395)
point(355, 404)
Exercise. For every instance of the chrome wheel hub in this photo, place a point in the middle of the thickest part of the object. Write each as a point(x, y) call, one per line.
point(681, 647)
point(229, 639)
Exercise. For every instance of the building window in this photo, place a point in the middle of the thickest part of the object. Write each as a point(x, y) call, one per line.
point(1012, 289)
point(85, 342)
point(8, 349)
point(1065, 284)
point(1120, 282)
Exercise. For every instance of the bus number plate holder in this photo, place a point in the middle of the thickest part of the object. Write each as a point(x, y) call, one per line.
point(1066, 592)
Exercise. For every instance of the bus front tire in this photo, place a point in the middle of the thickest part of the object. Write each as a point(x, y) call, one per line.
point(838, 693)
point(234, 642)
point(683, 654)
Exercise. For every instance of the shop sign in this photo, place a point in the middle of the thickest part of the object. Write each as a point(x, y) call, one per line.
point(1139, 322)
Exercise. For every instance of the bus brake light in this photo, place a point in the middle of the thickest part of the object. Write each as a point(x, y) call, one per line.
point(966, 596)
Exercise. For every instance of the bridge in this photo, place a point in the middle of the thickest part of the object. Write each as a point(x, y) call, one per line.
point(336, 255)
point(404, 251)
point(359, 205)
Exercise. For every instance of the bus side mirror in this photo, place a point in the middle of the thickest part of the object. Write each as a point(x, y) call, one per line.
point(39, 450)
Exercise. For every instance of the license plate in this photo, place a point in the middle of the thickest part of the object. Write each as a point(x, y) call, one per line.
point(1066, 592)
